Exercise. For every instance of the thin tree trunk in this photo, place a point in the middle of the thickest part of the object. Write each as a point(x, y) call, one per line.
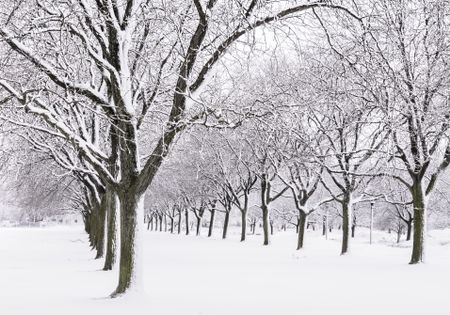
point(243, 224)
point(211, 222)
point(149, 221)
point(186, 213)
point(179, 222)
point(226, 221)
point(324, 225)
point(266, 224)
point(409, 226)
point(199, 221)
point(399, 233)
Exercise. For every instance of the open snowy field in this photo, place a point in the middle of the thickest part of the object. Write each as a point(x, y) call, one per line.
point(51, 271)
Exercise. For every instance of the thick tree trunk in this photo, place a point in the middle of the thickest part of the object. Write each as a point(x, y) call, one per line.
point(301, 230)
point(226, 222)
point(179, 222)
point(131, 214)
point(211, 222)
point(112, 203)
point(346, 221)
point(266, 224)
point(243, 224)
point(172, 220)
point(420, 220)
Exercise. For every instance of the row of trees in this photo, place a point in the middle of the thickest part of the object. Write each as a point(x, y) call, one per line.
point(104, 89)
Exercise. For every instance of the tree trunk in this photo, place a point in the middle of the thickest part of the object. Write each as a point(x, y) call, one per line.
point(211, 222)
point(101, 225)
point(347, 217)
point(324, 225)
point(186, 214)
point(179, 222)
point(226, 221)
point(171, 224)
point(131, 214)
point(301, 230)
point(353, 230)
point(199, 221)
point(243, 224)
point(111, 240)
point(399, 233)
point(409, 230)
point(420, 219)
point(149, 221)
point(266, 224)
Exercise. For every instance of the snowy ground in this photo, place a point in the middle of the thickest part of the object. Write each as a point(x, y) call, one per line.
point(51, 271)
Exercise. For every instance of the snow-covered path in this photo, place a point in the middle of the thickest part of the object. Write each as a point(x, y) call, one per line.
point(51, 271)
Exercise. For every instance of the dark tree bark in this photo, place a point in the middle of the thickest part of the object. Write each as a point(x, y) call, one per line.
point(179, 221)
point(301, 231)
point(111, 246)
point(211, 221)
point(243, 224)
point(199, 222)
point(266, 224)
point(409, 225)
point(324, 225)
point(186, 218)
point(346, 222)
point(172, 223)
point(131, 206)
point(100, 228)
point(226, 222)
point(419, 223)
point(149, 221)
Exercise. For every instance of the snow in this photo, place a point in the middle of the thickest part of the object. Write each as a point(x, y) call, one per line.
point(52, 271)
